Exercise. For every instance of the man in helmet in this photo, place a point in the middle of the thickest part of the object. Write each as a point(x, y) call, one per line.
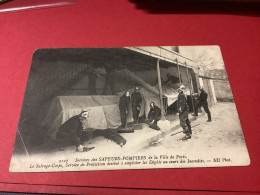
point(124, 103)
point(74, 132)
point(183, 112)
point(154, 116)
point(203, 102)
point(136, 100)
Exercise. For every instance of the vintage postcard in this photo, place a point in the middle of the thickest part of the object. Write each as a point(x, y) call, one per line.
point(128, 108)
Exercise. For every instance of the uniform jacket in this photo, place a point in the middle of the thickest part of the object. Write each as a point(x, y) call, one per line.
point(136, 99)
point(154, 113)
point(203, 96)
point(182, 103)
point(124, 102)
point(72, 127)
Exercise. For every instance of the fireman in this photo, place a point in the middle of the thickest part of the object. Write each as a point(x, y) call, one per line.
point(183, 112)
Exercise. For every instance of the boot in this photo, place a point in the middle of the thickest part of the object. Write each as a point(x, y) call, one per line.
point(209, 117)
point(195, 112)
point(81, 148)
point(189, 128)
point(154, 126)
point(188, 125)
point(187, 136)
point(86, 149)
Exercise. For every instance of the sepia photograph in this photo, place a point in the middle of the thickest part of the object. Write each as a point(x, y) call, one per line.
point(87, 109)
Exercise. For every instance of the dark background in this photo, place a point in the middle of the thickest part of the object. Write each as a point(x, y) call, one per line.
point(118, 23)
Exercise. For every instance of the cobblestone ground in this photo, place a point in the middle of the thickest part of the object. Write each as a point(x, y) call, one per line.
point(223, 135)
point(220, 139)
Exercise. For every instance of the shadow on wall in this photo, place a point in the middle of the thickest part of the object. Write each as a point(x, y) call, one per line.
point(121, 81)
point(242, 7)
point(223, 91)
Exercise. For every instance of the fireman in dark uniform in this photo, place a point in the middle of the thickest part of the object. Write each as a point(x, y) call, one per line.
point(124, 107)
point(136, 100)
point(73, 131)
point(154, 116)
point(183, 112)
point(204, 103)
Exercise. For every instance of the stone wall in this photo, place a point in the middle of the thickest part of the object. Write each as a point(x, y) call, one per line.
point(223, 90)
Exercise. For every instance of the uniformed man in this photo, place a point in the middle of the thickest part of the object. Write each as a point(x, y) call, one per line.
point(154, 116)
point(73, 131)
point(124, 107)
point(204, 103)
point(183, 112)
point(136, 100)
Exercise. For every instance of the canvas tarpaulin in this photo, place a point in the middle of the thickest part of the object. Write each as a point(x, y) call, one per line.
point(103, 111)
point(171, 93)
point(151, 93)
point(147, 98)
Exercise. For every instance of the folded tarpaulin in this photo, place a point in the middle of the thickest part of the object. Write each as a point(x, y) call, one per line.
point(103, 111)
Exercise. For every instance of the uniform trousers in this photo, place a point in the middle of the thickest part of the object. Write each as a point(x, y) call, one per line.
point(205, 107)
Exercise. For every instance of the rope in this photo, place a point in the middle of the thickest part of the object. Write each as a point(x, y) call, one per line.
point(23, 143)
